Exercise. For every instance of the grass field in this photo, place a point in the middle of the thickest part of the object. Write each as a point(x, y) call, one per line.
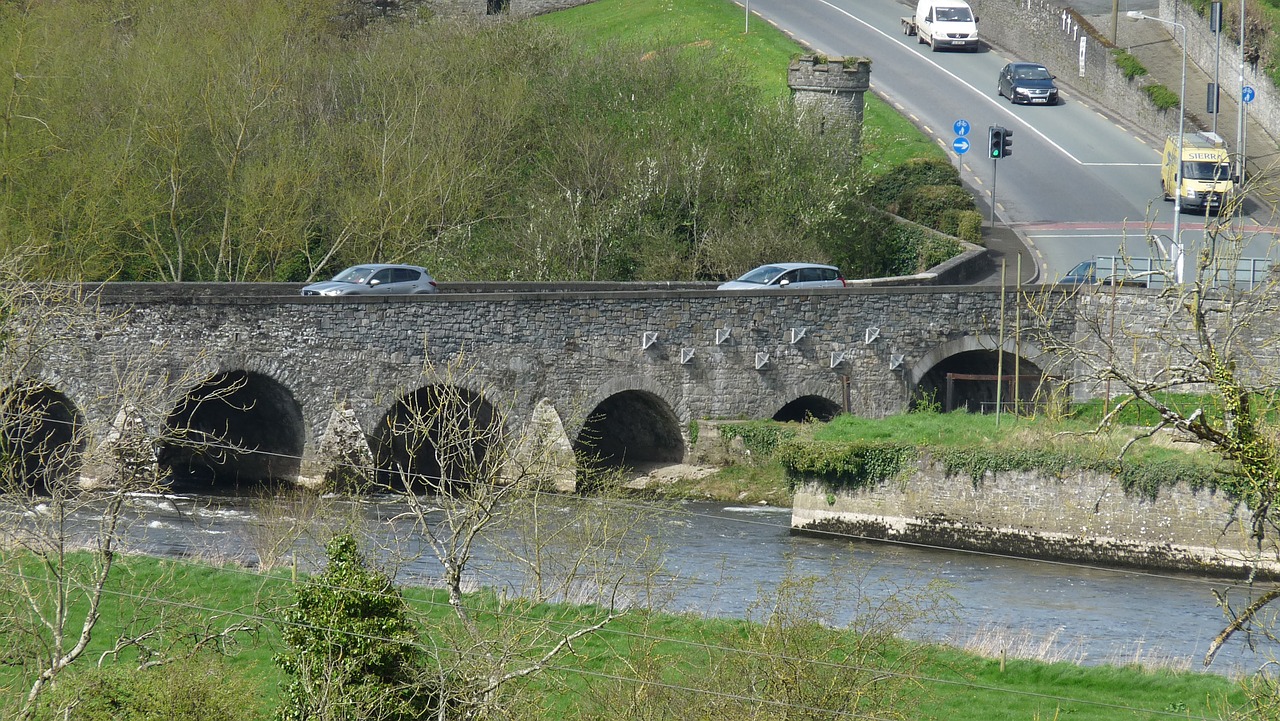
point(949, 684)
point(715, 27)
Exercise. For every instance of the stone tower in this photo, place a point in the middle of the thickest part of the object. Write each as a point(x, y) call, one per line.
point(832, 88)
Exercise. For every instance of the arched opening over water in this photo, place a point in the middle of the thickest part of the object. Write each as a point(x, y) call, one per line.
point(238, 428)
point(41, 436)
point(808, 408)
point(968, 381)
point(436, 440)
point(629, 429)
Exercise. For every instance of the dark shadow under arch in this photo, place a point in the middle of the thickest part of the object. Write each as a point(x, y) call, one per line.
point(237, 429)
point(437, 439)
point(978, 395)
point(42, 439)
point(627, 430)
point(808, 408)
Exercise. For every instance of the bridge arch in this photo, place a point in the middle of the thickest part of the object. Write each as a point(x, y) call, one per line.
point(236, 428)
point(809, 401)
point(976, 356)
point(631, 424)
point(436, 439)
point(44, 432)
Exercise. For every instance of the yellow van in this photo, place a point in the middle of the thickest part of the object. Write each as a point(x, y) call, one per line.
point(1207, 181)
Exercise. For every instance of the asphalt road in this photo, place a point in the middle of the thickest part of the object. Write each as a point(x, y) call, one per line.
point(1079, 182)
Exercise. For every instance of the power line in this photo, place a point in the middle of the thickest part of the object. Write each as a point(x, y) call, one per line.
point(918, 678)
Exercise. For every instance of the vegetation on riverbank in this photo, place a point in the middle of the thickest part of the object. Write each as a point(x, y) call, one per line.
point(856, 450)
point(645, 665)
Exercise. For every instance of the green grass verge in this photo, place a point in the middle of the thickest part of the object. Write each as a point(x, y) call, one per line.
point(950, 685)
point(761, 56)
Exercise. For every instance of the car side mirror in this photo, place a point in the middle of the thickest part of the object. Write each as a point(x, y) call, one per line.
point(374, 282)
point(784, 283)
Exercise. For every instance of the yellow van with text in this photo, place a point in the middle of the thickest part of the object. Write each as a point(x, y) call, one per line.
point(1207, 182)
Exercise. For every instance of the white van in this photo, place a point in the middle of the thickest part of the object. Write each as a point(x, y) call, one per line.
point(944, 24)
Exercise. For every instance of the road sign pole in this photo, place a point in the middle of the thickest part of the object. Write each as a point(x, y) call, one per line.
point(995, 168)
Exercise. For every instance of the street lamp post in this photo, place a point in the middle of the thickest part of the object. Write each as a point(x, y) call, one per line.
point(1182, 119)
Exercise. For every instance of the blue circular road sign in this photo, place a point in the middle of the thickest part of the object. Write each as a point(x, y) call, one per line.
point(961, 127)
point(960, 145)
point(1247, 94)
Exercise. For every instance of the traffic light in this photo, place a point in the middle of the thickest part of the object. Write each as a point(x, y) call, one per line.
point(999, 142)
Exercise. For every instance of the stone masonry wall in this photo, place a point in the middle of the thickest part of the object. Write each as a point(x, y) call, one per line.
point(459, 8)
point(1083, 516)
point(709, 354)
point(1201, 48)
point(834, 88)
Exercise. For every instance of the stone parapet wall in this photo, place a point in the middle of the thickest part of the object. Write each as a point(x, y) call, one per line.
point(463, 8)
point(1080, 517)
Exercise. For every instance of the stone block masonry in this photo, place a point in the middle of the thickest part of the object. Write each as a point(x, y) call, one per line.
point(1083, 517)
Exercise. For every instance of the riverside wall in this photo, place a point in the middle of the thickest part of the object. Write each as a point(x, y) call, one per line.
point(1080, 516)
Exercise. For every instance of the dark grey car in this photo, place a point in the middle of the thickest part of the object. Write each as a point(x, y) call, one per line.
point(376, 279)
point(1029, 83)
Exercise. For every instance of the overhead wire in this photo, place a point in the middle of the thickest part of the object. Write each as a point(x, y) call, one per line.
point(918, 678)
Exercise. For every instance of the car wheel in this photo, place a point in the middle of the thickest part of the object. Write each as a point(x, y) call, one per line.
point(999, 90)
point(1164, 191)
point(933, 47)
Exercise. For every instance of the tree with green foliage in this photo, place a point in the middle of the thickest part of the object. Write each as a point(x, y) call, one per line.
point(281, 141)
point(352, 651)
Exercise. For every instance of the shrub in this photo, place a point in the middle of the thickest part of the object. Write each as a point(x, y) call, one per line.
point(761, 438)
point(887, 189)
point(188, 690)
point(848, 464)
point(929, 204)
point(352, 651)
point(1128, 64)
point(1162, 97)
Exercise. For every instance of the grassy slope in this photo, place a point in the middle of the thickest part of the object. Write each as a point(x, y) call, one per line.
point(762, 55)
point(953, 686)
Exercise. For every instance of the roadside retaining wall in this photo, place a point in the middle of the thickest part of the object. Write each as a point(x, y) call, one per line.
point(1082, 517)
point(1201, 49)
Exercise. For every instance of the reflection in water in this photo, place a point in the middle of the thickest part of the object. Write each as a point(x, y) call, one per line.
point(719, 558)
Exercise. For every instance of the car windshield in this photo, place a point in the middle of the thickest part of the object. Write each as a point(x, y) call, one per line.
point(1082, 270)
point(1206, 171)
point(358, 274)
point(1032, 73)
point(957, 15)
point(763, 275)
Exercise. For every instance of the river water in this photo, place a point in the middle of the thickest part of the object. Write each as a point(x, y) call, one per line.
point(720, 556)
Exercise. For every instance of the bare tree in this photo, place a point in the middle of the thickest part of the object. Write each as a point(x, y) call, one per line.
point(1210, 332)
point(472, 480)
point(67, 497)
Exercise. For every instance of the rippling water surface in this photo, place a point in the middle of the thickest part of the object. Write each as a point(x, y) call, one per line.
point(720, 557)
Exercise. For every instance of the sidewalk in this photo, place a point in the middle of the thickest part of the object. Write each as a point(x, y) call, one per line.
point(1154, 45)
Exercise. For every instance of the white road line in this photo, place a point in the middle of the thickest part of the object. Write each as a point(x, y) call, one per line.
point(922, 56)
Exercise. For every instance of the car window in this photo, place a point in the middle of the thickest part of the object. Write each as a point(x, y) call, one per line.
point(404, 275)
point(790, 276)
point(762, 275)
point(356, 274)
point(382, 276)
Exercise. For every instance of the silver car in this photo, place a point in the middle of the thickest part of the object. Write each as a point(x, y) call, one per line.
point(376, 279)
point(788, 275)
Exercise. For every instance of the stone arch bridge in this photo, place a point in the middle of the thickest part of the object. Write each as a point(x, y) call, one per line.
point(244, 383)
